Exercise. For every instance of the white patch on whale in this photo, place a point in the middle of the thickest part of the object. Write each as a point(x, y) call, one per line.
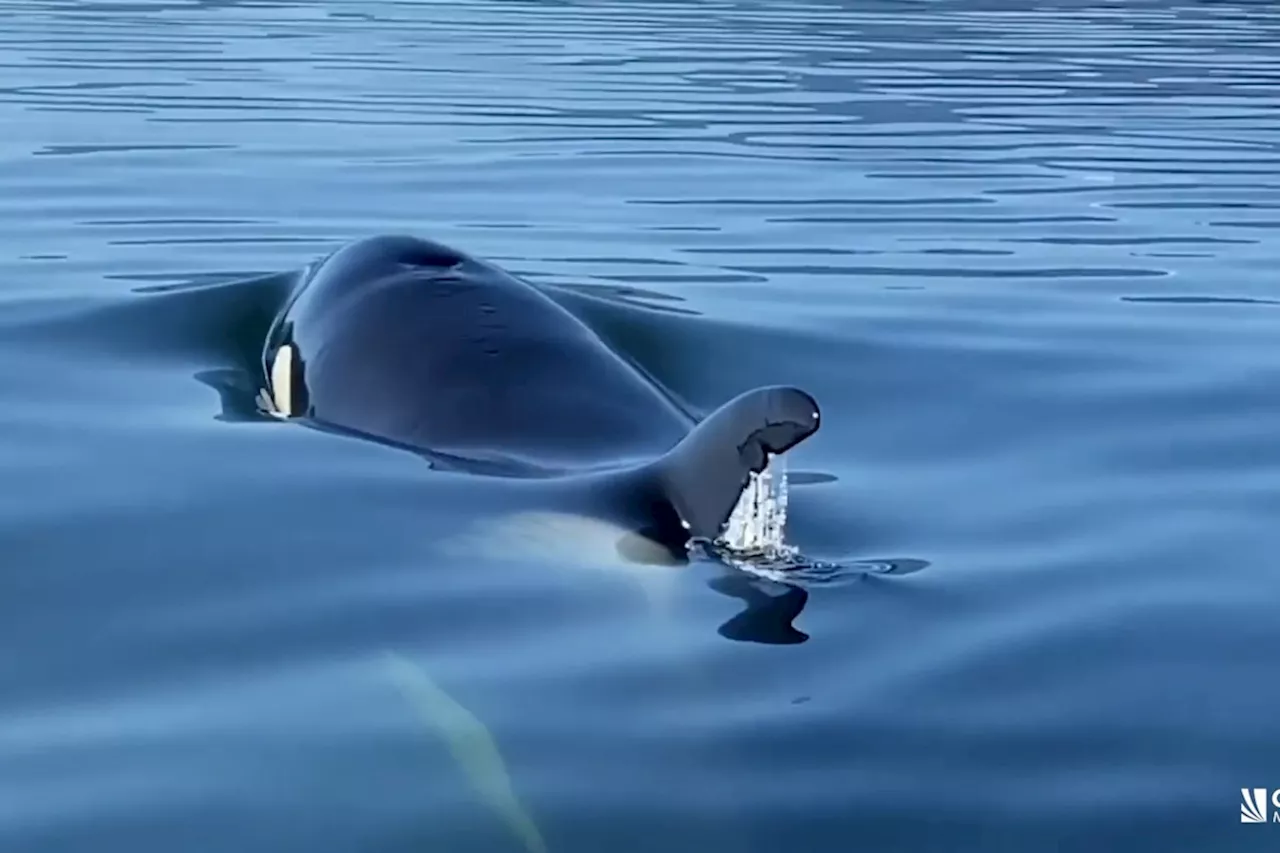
point(277, 399)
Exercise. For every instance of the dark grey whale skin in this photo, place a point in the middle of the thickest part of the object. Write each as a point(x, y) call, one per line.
point(415, 344)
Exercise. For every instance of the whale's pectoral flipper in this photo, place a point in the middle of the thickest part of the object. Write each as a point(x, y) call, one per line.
point(706, 473)
point(234, 388)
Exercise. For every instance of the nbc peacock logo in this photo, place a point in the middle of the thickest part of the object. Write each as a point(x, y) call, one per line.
point(1253, 807)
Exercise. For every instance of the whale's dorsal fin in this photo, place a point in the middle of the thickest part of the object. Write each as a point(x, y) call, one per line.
point(705, 474)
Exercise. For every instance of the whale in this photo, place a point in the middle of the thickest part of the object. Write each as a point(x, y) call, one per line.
point(417, 345)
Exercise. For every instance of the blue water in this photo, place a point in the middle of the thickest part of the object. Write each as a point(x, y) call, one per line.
point(1024, 255)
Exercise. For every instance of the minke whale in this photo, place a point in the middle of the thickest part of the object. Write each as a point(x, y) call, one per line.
point(417, 345)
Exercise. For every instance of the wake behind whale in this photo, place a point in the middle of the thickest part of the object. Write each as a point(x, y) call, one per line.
point(414, 344)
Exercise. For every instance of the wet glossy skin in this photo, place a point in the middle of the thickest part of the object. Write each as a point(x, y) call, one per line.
point(413, 342)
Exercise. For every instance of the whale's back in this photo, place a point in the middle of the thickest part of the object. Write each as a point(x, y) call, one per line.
point(411, 342)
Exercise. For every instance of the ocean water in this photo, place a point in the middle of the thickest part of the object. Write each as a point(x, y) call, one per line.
point(1024, 254)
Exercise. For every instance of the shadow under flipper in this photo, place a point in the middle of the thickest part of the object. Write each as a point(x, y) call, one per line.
point(768, 616)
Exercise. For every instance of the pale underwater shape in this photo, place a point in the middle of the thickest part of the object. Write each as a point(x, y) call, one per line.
point(472, 745)
point(561, 540)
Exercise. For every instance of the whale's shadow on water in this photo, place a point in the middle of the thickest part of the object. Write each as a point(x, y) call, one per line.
point(217, 329)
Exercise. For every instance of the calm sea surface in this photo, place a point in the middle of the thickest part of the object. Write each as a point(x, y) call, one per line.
point(1025, 255)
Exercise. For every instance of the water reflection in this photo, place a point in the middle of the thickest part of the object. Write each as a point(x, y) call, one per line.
point(1025, 254)
point(771, 608)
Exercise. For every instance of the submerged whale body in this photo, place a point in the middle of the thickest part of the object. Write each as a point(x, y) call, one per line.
point(414, 344)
